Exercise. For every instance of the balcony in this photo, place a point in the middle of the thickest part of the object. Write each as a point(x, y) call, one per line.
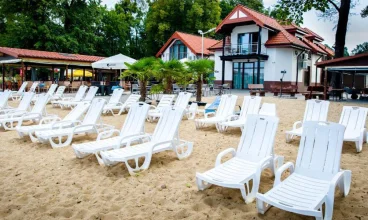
point(244, 51)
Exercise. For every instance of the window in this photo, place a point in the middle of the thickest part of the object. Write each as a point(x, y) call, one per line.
point(248, 43)
point(178, 51)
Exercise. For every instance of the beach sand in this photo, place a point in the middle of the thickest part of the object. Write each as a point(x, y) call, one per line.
point(38, 182)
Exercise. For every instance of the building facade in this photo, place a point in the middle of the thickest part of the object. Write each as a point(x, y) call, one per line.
point(256, 49)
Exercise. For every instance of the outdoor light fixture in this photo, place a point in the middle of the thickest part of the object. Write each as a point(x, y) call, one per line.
point(203, 33)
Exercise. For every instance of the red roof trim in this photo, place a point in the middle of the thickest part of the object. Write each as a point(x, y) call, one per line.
point(342, 59)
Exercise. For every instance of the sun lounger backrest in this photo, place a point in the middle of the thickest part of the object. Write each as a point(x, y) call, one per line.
point(4, 98)
point(26, 101)
point(258, 137)
point(250, 105)
point(168, 125)
point(77, 112)
point(316, 110)
point(52, 89)
point(320, 149)
point(33, 87)
point(22, 87)
point(353, 118)
point(80, 93)
point(116, 95)
point(91, 93)
point(183, 99)
point(133, 98)
point(40, 104)
point(94, 111)
point(268, 109)
point(134, 122)
point(165, 101)
point(227, 105)
point(59, 91)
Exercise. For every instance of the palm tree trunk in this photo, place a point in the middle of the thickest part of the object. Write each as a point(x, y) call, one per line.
point(199, 89)
point(143, 90)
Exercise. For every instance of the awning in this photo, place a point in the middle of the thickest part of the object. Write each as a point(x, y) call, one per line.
point(116, 62)
point(7, 61)
point(79, 73)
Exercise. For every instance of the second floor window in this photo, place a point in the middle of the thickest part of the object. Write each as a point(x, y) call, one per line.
point(248, 43)
point(178, 50)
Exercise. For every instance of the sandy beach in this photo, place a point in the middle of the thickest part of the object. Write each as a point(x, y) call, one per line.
point(38, 182)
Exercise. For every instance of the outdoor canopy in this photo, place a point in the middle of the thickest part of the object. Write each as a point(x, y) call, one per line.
point(116, 62)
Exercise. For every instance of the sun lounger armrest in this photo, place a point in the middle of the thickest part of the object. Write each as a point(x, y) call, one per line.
point(222, 154)
point(288, 165)
point(135, 138)
point(343, 179)
point(161, 143)
point(61, 124)
point(209, 113)
point(297, 124)
point(78, 127)
point(50, 119)
point(107, 134)
point(264, 163)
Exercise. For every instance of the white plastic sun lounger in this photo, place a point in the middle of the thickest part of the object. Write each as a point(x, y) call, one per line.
point(353, 118)
point(316, 174)
point(181, 102)
point(4, 97)
point(77, 98)
point(268, 109)
point(316, 110)
point(114, 103)
point(59, 94)
point(251, 105)
point(36, 114)
point(88, 98)
point(17, 95)
point(50, 92)
point(165, 137)
point(254, 154)
point(165, 101)
point(33, 87)
point(133, 126)
point(22, 108)
point(49, 122)
point(61, 137)
point(225, 109)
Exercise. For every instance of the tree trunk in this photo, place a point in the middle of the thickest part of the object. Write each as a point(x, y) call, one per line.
point(199, 89)
point(340, 36)
point(143, 90)
point(342, 26)
point(169, 85)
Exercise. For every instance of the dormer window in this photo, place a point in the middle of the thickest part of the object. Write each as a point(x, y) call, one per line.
point(178, 51)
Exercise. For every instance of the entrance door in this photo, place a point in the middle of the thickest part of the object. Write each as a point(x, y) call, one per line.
point(238, 76)
point(248, 70)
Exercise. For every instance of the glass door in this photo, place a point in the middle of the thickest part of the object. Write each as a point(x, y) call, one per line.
point(248, 74)
point(237, 76)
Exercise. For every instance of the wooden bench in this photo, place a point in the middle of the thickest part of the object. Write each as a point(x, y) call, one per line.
point(313, 92)
point(256, 88)
point(286, 89)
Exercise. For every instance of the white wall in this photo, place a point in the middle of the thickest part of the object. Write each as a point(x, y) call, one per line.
point(218, 67)
point(280, 59)
point(313, 69)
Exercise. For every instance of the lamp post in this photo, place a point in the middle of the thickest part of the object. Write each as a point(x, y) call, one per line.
point(203, 33)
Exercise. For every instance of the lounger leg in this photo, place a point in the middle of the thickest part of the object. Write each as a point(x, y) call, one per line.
point(202, 185)
point(145, 165)
point(32, 136)
point(60, 143)
point(345, 182)
point(359, 145)
point(184, 149)
point(262, 207)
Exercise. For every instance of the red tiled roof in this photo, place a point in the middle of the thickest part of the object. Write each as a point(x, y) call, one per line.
point(312, 34)
point(219, 44)
point(341, 59)
point(314, 47)
point(193, 42)
point(292, 27)
point(24, 53)
point(327, 49)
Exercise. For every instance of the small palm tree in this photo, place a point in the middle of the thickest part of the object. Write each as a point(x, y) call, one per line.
point(168, 72)
point(200, 69)
point(142, 70)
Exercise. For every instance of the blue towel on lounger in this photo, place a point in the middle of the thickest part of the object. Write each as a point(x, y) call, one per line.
point(214, 105)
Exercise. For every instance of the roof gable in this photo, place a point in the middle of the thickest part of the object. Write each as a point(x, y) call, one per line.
point(193, 42)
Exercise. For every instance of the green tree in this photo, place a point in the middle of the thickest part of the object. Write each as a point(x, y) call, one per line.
point(364, 12)
point(360, 48)
point(168, 72)
point(200, 69)
point(330, 9)
point(346, 52)
point(142, 70)
point(228, 5)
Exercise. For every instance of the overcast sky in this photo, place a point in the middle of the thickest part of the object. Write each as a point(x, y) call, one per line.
point(357, 32)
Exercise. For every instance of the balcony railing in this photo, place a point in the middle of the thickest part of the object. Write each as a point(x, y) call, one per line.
point(244, 49)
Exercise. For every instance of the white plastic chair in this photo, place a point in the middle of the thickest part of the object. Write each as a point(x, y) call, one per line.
point(48, 122)
point(33, 87)
point(4, 97)
point(59, 136)
point(250, 105)
point(181, 102)
point(114, 102)
point(165, 137)
point(353, 118)
point(317, 172)
point(77, 98)
point(225, 109)
point(316, 110)
point(254, 154)
point(50, 92)
point(165, 101)
point(59, 94)
point(88, 98)
point(133, 127)
point(17, 95)
point(268, 109)
point(21, 109)
point(38, 111)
